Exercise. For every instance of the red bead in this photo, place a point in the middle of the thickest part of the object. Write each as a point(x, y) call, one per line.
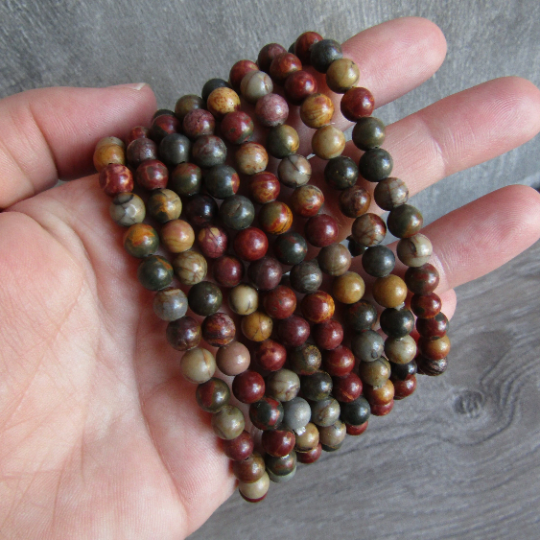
point(328, 335)
point(228, 271)
point(382, 410)
point(356, 430)
point(306, 201)
point(218, 329)
point(198, 123)
point(240, 448)
point(138, 132)
point(250, 469)
point(321, 230)
point(267, 413)
point(347, 389)
point(271, 110)
point(248, 387)
point(311, 456)
point(152, 174)
point(302, 47)
point(164, 125)
point(432, 328)
point(271, 355)
point(237, 127)
point(267, 54)
point(283, 65)
point(213, 241)
point(299, 85)
point(280, 303)
point(116, 178)
point(422, 279)
point(265, 273)
point(357, 103)
point(279, 442)
point(404, 389)
point(293, 332)
point(251, 244)
point(141, 150)
point(338, 362)
point(381, 395)
point(318, 307)
point(264, 187)
point(275, 218)
point(426, 305)
point(239, 71)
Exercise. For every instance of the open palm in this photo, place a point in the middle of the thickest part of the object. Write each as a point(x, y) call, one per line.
point(100, 437)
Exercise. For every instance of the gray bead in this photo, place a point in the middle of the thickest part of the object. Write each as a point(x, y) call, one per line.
point(174, 149)
point(378, 261)
point(367, 346)
point(294, 171)
point(297, 413)
point(306, 277)
point(127, 209)
point(170, 304)
point(391, 193)
point(282, 385)
point(283, 478)
point(325, 412)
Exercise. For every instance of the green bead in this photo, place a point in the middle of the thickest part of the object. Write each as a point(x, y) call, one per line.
point(290, 248)
point(141, 240)
point(205, 298)
point(155, 273)
point(368, 133)
point(341, 172)
point(375, 165)
point(282, 141)
point(237, 212)
point(405, 221)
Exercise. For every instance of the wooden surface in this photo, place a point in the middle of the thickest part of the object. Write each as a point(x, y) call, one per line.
point(459, 459)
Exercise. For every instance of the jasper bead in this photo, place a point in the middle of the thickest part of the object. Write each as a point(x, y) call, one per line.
point(248, 387)
point(267, 413)
point(382, 410)
point(237, 127)
point(328, 335)
point(378, 261)
point(281, 469)
point(375, 165)
point(240, 70)
point(250, 244)
point(356, 104)
point(332, 437)
point(205, 298)
point(328, 142)
point(109, 150)
point(294, 171)
point(354, 247)
point(403, 389)
point(290, 248)
point(348, 288)
point(341, 172)
point(309, 438)
point(243, 299)
point(342, 75)
point(434, 349)
point(334, 259)
point(354, 201)
point(368, 133)
point(306, 277)
point(250, 469)
point(177, 235)
point(115, 178)
point(239, 448)
point(321, 230)
point(362, 316)
point(126, 209)
point(306, 201)
point(400, 350)
point(170, 304)
point(379, 396)
point(209, 151)
point(255, 85)
point(185, 179)
point(323, 53)
point(174, 149)
point(190, 267)
point(164, 205)
point(228, 271)
point(426, 305)
point(311, 456)
point(414, 251)
point(356, 412)
point(348, 388)
point(275, 218)
point(186, 104)
point(198, 122)
point(257, 326)
point(302, 46)
point(369, 230)
point(237, 212)
point(228, 423)
point(279, 442)
point(356, 430)
point(221, 101)
point(283, 65)
point(270, 355)
point(251, 158)
point(389, 291)
point(198, 365)
point(299, 85)
point(403, 372)
point(218, 330)
point(184, 334)
point(212, 395)
point(210, 86)
point(264, 187)
point(255, 492)
point(283, 385)
point(433, 328)
point(339, 362)
point(233, 358)
point(317, 110)
point(136, 132)
point(367, 345)
point(141, 240)
point(282, 141)
point(325, 412)
point(432, 368)
point(152, 174)
point(221, 181)
point(265, 273)
point(141, 150)
point(318, 307)
point(155, 273)
point(213, 241)
point(375, 373)
point(422, 279)
point(317, 386)
point(305, 360)
point(405, 221)
point(271, 110)
point(280, 303)
point(293, 332)
point(397, 323)
point(391, 193)
point(267, 54)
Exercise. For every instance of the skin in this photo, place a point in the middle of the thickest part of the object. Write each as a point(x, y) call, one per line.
point(93, 410)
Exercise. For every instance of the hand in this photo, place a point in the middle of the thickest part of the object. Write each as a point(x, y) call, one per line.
point(100, 437)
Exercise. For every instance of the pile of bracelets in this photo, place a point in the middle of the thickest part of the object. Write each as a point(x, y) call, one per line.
point(305, 389)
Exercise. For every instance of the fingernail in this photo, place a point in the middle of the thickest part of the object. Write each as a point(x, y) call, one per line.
point(132, 86)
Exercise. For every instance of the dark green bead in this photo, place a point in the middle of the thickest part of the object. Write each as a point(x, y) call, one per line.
point(185, 179)
point(356, 412)
point(290, 248)
point(221, 181)
point(362, 315)
point(323, 53)
point(155, 273)
point(367, 345)
point(405, 221)
point(375, 165)
point(267, 413)
point(403, 372)
point(282, 141)
point(141, 240)
point(280, 466)
point(368, 133)
point(341, 172)
point(391, 193)
point(316, 387)
point(205, 298)
point(211, 85)
point(174, 149)
point(306, 277)
point(397, 323)
point(378, 261)
point(305, 360)
point(237, 212)
point(356, 249)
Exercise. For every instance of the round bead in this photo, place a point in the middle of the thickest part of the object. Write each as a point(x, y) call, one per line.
point(257, 326)
point(317, 110)
point(433, 328)
point(369, 230)
point(357, 103)
point(237, 212)
point(212, 395)
point(323, 53)
point(299, 85)
point(270, 355)
point(209, 151)
point(290, 248)
point(400, 350)
point(279, 442)
point(302, 47)
point(305, 360)
point(422, 279)
point(405, 221)
point(282, 141)
point(155, 273)
point(239, 448)
point(334, 259)
point(378, 261)
point(354, 247)
point(403, 372)
point(356, 412)
point(306, 277)
point(306, 201)
point(248, 387)
point(198, 122)
point(414, 251)
point(341, 172)
point(318, 307)
point(294, 171)
point(403, 389)
point(240, 71)
point(268, 53)
point(184, 334)
point(328, 142)
point(426, 305)
point(141, 240)
point(243, 299)
point(233, 359)
point(389, 291)
point(332, 437)
point(222, 101)
point(348, 288)
point(347, 389)
point(375, 165)
point(170, 304)
point(362, 316)
point(213, 241)
point(375, 373)
point(136, 132)
point(317, 386)
point(354, 201)
point(356, 430)
point(325, 412)
point(283, 385)
point(321, 230)
point(309, 438)
point(115, 178)
point(228, 271)
point(221, 181)
point(237, 127)
point(264, 187)
point(127, 209)
point(280, 303)
point(255, 85)
point(251, 158)
point(190, 267)
point(293, 332)
point(228, 423)
point(311, 456)
point(328, 335)
point(434, 349)
point(255, 491)
point(271, 110)
point(267, 413)
point(342, 75)
point(205, 298)
point(379, 396)
point(152, 174)
point(368, 133)
point(141, 150)
point(432, 368)
point(265, 273)
point(339, 362)
point(109, 150)
point(177, 235)
point(174, 149)
point(283, 65)
point(210, 86)
point(391, 193)
point(397, 323)
point(367, 345)
point(198, 365)
point(218, 330)
point(250, 469)
point(186, 104)
point(281, 469)
point(164, 205)
point(275, 217)
point(250, 244)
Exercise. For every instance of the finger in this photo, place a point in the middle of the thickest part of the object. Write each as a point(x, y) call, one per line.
point(50, 133)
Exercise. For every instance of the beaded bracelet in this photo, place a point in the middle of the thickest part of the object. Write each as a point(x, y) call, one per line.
point(301, 409)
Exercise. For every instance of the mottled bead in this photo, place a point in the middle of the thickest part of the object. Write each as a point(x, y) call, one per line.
point(347, 389)
point(356, 430)
point(278, 442)
point(321, 230)
point(126, 209)
point(255, 492)
point(200, 210)
point(382, 410)
point(164, 205)
point(375, 165)
point(356, 104)
point(433, 328)
point(281, 469)
point(369, 230)
point(348, 288)
point(265, 273)
point(403, 372)
point(302, 46)
point(271, 110)
point(174, 149)
point(264, 187)
point(355, 412)
point(205, 298)
point(328, 335)
point(198, 365)
point(332, 437)
point(184, 334)
point(308, 439)
point(255, 85)
point(213, 395)
point(280, 302)
point(248, 387)
point(275, 218)
point(222, 101)
point(378, 261)
point(299, 85)
point(422, 279)
point(115, 178)
point(323, 53)
point(250, 469)
point(356, 249)
point(414, 251)
point(198, 122)
point(141, 240)
point(434, 349)
point(290, 248)
point(342, 75)
point(294, 171)
point(361, 316)
point(185, 179)
point(354, 201)
point(379, 396)
point(267, 54)
point(306, 277)
point(317, 386)
point(210, 86)
point(318, 307)
point(400, 350)
point(311, 456)
point(367, 345)
point(237, 127)
point(391, 193)
point(162, 112)
point(338, 362)
point(283, 65)
point(283, 385)
point(243, 299)
point(375, 373)
point(403, 389)
point(270, 355)
point(109, 150)
point(306, 201)
point(239, 71)
point(186, 104)
point(257, 326)
point(426, 305)
point(297, 413)
point(317, 110)
point(305, 360)
point(368, 133)
point(237, 212)
point(389, 291)
point(251, 158)
point(218, 330)
point(334, 259)
point(228, 271)
point(141, 150)
point(190, 267)
point(282, 141)
point(208, 151)
point(293, 332)
point(233, 359)
point(325, 412)
point(177, 235)
point(328, 142)
point(228, 423)
point(341, 172)
point(397, 323)
point(239, 448)
point(267, 413)
point(170, 304)
point(155, 273)
point(405, 221)
point(152, 174)
point(137, 132)
point(213, 241)
point(221, 181)
point(432, 368)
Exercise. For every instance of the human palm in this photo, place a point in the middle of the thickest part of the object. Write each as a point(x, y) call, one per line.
point(100, 437)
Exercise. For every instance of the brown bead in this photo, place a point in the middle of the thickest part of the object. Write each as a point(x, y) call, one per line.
point(283, 385)
point(317, 110)
point(228, 423)
point(212, 395)
point(389, 291)
point(251, 158)
point(283, 65)
point(422, 279)
point(152, 174)
point(434, 349)
point(271, 355)
point(342, 75)
point(334, 259)
point(382, 410)
point(432, 368)
point(275, 218)
point(348, 288)
point(190, 267)
point(267, 54)
point(426, 305)
point(299, 85)
point(282, 141)
point(164, 205)
point(280, 303)
point(239, 448)
point(308, 439)
point(400, 350)
point(115, 178)
point(278, 442)
point(233, 358)
point(248, 387)
point(379, 396)
point(375, 373)
point(243, 299)
point(305, 360)
point(184, 334)
point(369, 230)
point(405, 388)
point(339, 362)
point(328, 335)
point(218, 330)
point(306, 201)
point(328, 142)
point(198, 365)
point(177, 235)
point(264, 187)
point(357, 430)
point(141, 150)
point(332, 437)
point(271, 110)
point(237, 127)
point(321, 230)
point(141, 240)
point(257, 326)
point(239, 70)
point(265, 273)
point(186, 104)
point(267, 413)
point(213, 241)
point(109, 150)
point(223, 101)
point(163, 125)
point(293, 332)
point(318, 307)
point(354, 201)
point(347, 389)
point(391, 193)
point(137, 132)
point(228, 271)
point(357, 103)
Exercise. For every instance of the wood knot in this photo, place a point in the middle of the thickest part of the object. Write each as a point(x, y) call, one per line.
point(469, 403)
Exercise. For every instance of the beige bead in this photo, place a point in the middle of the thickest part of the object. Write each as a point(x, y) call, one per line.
point(375, 373)
point(257, 326)
point(251, 158)
point(177, 235)
point(283, 385)
point(255, 85)
point(228, 423)
point(389, 291)
point(342, 75)
point(255, 491)
point(348, 288)
point(109, 150)
point(400, 350)
point(223, 101)
point(414, 251)
point(334, 435)
point(233, 359)
point(243, 299)
point(308, 439)
point(190, 267)
point(328, 142)
point(317, 110)
point(198, 365)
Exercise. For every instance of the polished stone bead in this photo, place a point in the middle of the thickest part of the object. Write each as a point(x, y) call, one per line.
point(281, 469)
point(342, 75)
point(250, 469)
point(141, 150)
point(328, 335)
point(267, 54)
point(382, 410)
point(405, 221)
point(414, 251)
point(137, 132)
point(375, 165)
point(197, 123)
point(306, 201)
point(250, 244)
point(174, 149)
point(316, 386)
point(348, 288)
point(302, 46)
point(321, 230)
point(305, 360)
point(221, 181)
point(283, 65)
point(141, 240)
point(155, 273)
point(341, 172)
point(317, 110)
point(356, 430)
point(290, 248)
point(375, 373)
point(389, 291)
point(239, 71)
point(162, 112)
point(426, 305)
point(184, 334)
point(212, 395)
point(293, 332)
point(109, 150)
point(422, 279)
point(267, 413)
point(297, 414)
point(334, 259)
point(433, 368)
point(361, 316)
point(403, 389)
point(265, 273)
point(403, 372)
point(177, 235)
point(354, 201)
point(311, 456)
point(282, 385)
point(251, 158)
point(299, 85)
point(332, 437)
point(163, 125)
point(170, 304)
point(323, 53)
point(115, 178)
point(338, 362)
point(228, 271)
point(356, 412)
point(270, 355)
point(127, 209)
point(257, 326)
point(222, 101)
point(237, 212)
point(210, 86)
point(237, 127)
point(243, 299)
point(325, 412)
point(164, 205)
point(369, 230)
point(433, 328)
point(308, 438)
point(378, 261)
point(294, 171)
point(306, 277)
point(218, 330)
point(434, 349)
point(357, 104)
point(190, 267)
point(233, 359)
point(209, 151)
point(205, 298)
point(255, 85)
point(228, 423)
point(264, 187)
point(186, 104)
point(275, 218)
point(379, 396)
point(239, 448)
point(282, 141)
point(318, 307)
point(367, 345)
point(185, 179)
point(213, 241)
point(280, 302)
point(151, 174)
point(347, 389)
point(397, 323)
point(400, 350)
point(368, 133)
point(391, 193)
point(354, 247)
point(271, 110)
point(278, 442)
point(328, 142)
point(248, 387)
point(198, 365)
point(255, 492)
